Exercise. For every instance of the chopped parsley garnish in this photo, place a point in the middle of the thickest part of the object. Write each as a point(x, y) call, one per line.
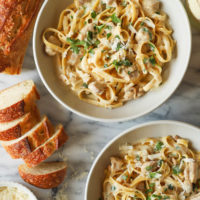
point(91, 51)
point(93, 14)
point(170, 187)
point(90, 35)
point(119, 46)
point(158, 12)
point(160, 162)
point(152, 60)
point(176, 170)
point(85, 85)
point(115, 19)
point(108, 27)
point(125, 62)
point(99, 28)
point(138, 158)
point(129, 72)
point(151, 185)
point(152, 47)
point(117, 36)
point(153, 174)
point(108, 35)
point(74, 45)
point(149, 190)
point(124, 177)
point(72, 17)
point(145, 60)
point(85, 22)
point(149, 168)
point(159, 146)
point(113, 188)
point(142, 24)
point(149, 32)
point(96, 43)
point(105, 66)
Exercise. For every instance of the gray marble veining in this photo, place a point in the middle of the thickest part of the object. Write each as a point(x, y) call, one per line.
point(87, 138)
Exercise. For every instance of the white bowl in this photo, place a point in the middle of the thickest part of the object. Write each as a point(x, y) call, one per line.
point(152, 129)
point(48, 17)
point(19, 187)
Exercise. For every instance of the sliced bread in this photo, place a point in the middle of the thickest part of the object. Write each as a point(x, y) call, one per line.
point(47, 149)
point(21, 147)
point(17, 100)
point(46, 175)
point(16, 128)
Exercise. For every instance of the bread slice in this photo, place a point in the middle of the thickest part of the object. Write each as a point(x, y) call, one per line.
point(47, 149)
point(17, 100)
point(16, 128)
point(21, 147)
point(17, 19)
point(46, 175)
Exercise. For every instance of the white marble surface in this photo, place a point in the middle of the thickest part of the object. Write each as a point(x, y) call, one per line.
point(88, 137)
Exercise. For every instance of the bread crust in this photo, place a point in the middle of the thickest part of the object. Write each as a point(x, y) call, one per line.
point(46, 181)
point(20, 108)
point(45, 151)
point(17, 18)
point(30, 120)
point(27, 145)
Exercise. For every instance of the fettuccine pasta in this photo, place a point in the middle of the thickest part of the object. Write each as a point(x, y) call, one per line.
point(111, 51)
point(154, 169)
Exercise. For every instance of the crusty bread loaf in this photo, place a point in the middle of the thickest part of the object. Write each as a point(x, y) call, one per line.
point(47, 149)
point(16, 24)
point(21, 147)
point(17, 100)
point(16, 128)
point(46, 175)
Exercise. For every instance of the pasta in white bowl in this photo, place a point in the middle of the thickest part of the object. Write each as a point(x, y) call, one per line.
point(111, 51)
point(152, 161)
point(169, 79)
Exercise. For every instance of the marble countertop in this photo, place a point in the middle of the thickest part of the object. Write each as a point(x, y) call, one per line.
point(87, 138)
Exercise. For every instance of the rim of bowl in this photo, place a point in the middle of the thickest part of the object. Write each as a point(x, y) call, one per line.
point(19, 186)
point(99, 119)
point(179, 123)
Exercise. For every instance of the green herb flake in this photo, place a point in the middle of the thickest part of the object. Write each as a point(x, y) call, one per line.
point(170, 187)
point(93, 14)
point(108, 35)
point(71, 17)
point(117, 36)
point(99, 28)
point(124, 177)
point(157, 196)
point(108, 27)
point(145, 60)
point(149, 32)
point(113, 188)
point(105, 66)
point(152, 47)
point(119, 46)
point(91, 51)
point(160, 162)
point(137, 157)
point(90, 35)
point(142, 24)
point(176, 170)
point(159, 146)
point(129, 72)
point(85, 85)
point(115, 19)
point(153, 174)
point(152, 60)
point(149, 190)
point(149, 168)
point(97, 42)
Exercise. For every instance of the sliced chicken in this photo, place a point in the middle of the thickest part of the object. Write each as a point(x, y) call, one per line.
point(116, 164)
point(151, 6)
point(144, 34)
point(96, 87)
point(195, 197)
point(85, 30)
